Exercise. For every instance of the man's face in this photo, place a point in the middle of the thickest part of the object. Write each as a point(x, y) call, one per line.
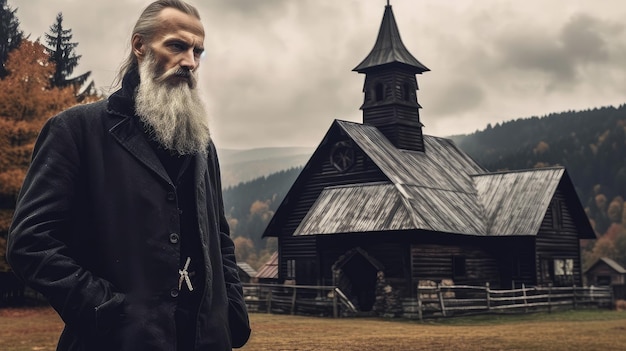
point(177, 46)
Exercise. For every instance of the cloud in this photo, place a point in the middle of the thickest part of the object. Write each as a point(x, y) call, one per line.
point(559, 57)
point(583, 40)
point(277, 72)
point(246, 9)
point(458, 96)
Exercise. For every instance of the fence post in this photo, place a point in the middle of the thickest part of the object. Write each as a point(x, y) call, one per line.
point(293, 300)
point(524, 295)
point(440, 294)
point(488, 292)
point(269, 302)
point(335, 308)
point(550, 297)
point(419, 304)
point(574, 295)
point(612, 293)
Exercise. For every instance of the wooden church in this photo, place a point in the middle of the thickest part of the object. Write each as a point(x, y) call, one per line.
point(382, 197)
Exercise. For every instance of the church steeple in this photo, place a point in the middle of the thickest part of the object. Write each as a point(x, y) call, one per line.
point(391, 87)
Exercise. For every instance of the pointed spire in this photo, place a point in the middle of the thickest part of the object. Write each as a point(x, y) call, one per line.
point(389, 48)
point(390, 89)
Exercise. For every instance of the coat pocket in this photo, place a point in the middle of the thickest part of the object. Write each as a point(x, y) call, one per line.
point(109, 314)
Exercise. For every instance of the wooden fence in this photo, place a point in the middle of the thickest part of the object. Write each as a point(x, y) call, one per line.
point(433, 301)
point(297, 299)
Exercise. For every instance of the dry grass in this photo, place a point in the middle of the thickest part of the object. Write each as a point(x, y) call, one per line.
point(579, 330)
point(38, 329)
point(29, 329)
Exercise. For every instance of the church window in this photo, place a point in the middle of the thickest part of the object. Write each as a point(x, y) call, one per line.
point(564, 271)
point(291, 269)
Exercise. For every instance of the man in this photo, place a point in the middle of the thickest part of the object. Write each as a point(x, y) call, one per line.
point(120, 222)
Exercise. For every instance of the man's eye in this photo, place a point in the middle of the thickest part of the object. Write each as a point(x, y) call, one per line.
point(177, 47)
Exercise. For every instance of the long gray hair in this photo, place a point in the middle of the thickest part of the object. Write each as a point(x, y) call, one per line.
point(147, 26)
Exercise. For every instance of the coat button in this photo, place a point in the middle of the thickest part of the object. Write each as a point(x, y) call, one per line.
point(174, 293)
point(171, 196)
point(174, 238)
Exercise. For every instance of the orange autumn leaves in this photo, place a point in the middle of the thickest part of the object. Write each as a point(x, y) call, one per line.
point(27, 100)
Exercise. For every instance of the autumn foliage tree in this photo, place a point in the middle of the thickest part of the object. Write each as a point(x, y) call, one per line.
point(27, 100)
point(245, 250)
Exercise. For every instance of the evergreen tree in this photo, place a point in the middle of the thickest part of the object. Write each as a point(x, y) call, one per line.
point(61, 50)
point(10, 34)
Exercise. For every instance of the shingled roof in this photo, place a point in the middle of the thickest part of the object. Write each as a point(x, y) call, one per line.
point(247, 269)
point(609, 262)
point(270, 269)
point(443, 190)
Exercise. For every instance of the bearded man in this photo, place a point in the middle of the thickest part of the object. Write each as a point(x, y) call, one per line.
point(120, 222)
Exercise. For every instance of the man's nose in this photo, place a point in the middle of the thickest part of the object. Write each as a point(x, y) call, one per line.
point(189, 60)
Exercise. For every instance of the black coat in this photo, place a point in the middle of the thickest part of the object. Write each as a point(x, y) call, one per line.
point(93, 231)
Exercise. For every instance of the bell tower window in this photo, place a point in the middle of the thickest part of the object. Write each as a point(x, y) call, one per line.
point(379, 91)
point(406, 92)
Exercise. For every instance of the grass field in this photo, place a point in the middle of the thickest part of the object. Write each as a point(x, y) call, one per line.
point(38, 329)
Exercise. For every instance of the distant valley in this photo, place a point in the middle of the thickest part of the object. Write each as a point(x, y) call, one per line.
point(239, 166)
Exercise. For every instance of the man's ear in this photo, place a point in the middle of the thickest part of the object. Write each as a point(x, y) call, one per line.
point(138, 46)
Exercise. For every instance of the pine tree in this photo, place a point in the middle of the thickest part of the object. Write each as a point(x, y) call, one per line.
point(61, 50)
point(10, 34)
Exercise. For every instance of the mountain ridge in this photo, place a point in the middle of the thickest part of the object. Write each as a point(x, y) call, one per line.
point(240, 166)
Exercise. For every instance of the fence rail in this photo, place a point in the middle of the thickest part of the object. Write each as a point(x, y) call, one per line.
point(450, 300)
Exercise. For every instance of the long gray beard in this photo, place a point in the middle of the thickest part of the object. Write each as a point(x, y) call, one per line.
point(174, 114)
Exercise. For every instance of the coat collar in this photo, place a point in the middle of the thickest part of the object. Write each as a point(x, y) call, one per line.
point(122, 102)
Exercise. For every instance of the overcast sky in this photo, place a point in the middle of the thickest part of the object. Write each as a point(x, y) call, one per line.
point(278, 72)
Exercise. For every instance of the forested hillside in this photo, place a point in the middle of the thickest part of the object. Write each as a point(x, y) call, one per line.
point(590, 144)
point(249, 206)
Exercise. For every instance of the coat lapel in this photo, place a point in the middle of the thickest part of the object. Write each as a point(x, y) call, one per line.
point(200, 179)
point(132, 139)
point(201, 168)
